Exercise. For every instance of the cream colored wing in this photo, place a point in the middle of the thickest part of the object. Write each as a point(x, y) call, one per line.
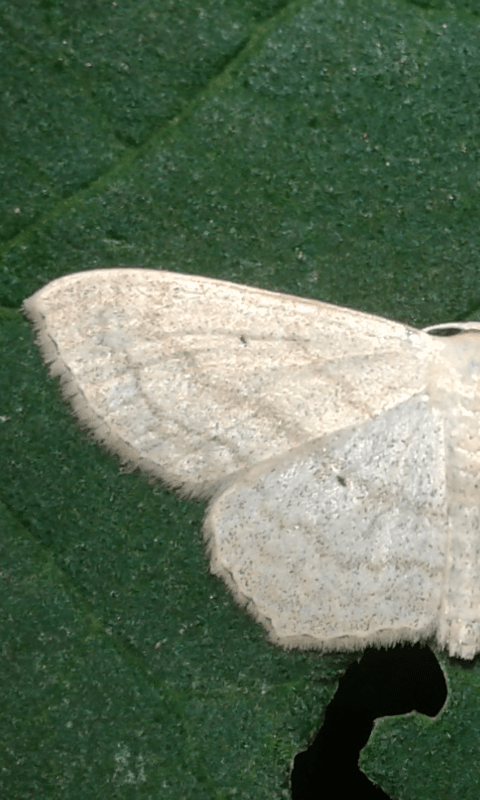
point(342, 543)
point(193, 379)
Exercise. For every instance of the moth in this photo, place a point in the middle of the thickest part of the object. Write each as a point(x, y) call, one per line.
point(340, 450)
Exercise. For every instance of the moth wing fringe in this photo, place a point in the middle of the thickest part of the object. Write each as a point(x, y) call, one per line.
point(94, 426)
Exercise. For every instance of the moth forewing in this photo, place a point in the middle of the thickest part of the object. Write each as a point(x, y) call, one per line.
point(195, 379)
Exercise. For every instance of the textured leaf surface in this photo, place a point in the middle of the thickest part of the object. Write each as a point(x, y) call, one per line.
point(323, 149)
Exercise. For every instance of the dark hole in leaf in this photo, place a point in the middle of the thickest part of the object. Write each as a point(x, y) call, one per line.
point(383, 683)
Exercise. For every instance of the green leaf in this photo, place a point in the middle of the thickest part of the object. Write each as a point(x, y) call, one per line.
point(326, 149)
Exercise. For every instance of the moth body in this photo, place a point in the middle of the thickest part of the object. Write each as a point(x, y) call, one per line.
point(457, 391)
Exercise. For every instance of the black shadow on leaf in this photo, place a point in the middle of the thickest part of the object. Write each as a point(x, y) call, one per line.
point(383, 683)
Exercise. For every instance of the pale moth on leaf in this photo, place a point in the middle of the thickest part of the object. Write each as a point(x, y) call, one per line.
point(341, 450)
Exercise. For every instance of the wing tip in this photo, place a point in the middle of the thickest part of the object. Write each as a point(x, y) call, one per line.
point(92, 424)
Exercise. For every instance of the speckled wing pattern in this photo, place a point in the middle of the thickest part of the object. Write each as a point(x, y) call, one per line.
point(341, 543)
point(340, 446)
